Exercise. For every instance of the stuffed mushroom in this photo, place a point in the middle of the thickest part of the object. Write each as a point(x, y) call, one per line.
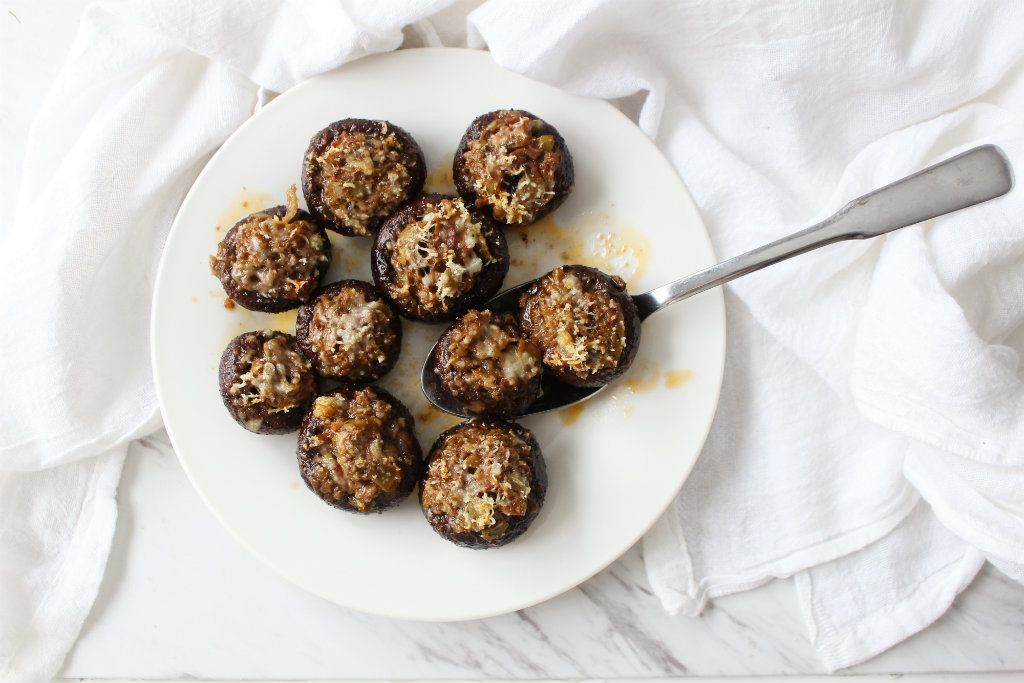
point(436, 258)
point(513, 165)
point(484, 483)
point(585, 323)
point(358, 450)
point(357, 172)
point(272, 260)
point(484, 362)
point(350, 332)
point(266, 381)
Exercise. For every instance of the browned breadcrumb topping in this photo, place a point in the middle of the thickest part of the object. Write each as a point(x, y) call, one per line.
point(513, 166)
point(350, 332)
point(438, 257)
point(364, 177)
point(277, 257)
point(486, 354)
point(276, 375)
point(580, 328)
point(479, 477)
point(357, 445)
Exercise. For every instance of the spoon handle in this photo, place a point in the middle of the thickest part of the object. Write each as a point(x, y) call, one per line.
point(967, 179)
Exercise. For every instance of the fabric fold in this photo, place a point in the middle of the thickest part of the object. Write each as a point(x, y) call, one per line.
point(149, 91)
point(863, 377)
point(868, 439)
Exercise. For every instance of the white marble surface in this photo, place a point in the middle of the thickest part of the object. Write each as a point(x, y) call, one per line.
point(182, 599)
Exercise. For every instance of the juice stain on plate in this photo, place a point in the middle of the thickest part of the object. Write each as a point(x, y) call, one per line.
point(293, 485)
point(284, 321)
point(250, 321)
point(643, 376)
point(677, 378)
point(440, 179)
point(428, 414)
point(571, 414)
point(593, 239)
point(241, 205)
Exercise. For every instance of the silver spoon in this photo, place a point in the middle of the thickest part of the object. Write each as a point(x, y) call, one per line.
point(976, 176)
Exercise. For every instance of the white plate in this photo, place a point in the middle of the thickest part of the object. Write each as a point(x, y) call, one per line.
point(612, 468)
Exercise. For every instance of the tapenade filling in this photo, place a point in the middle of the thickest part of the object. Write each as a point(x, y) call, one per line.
point(437, 258)
point(360, 448)
point(579, 328)
point(479, 477)
point(513, 166)
point(276, 257)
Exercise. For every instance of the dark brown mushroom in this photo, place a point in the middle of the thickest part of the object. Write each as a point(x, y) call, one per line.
point(436, 258)
point(486, 365)
point(350, 332)
point(584, 321)
point(513, 165)
point(357, 172)
point(273, 260)
point(266, 381)
point(358, 449)
point(484, 483)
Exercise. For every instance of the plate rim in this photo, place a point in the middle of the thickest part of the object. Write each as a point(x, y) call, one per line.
point(716, 294)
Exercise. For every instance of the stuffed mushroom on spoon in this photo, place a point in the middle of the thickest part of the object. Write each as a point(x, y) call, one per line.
point(587, 328)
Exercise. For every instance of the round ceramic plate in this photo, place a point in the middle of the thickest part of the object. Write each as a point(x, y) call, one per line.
point(614, 463)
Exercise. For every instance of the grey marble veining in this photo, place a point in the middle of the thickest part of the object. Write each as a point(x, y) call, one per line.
point(182, 599)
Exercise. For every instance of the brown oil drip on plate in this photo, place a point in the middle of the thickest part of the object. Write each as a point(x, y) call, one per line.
point(677, 378)
point(643, 376)
point(571, 414)
point(440, 179)
point(428, 414)
point(592, 239)
point(241, 205)
point(284, 321)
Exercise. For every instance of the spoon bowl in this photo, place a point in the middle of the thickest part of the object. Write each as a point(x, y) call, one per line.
point(975, 176)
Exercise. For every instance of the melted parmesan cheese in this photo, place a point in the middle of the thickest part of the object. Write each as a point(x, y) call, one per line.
point(580, 328)
point(438, 257)
point(479, 478)
point(512, 169)
point(364, 177)
point(351, 333)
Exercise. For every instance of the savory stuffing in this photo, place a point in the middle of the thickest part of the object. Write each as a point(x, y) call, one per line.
point(364, 177)
point(479, 477)
point(487, 360)
point(360, 445)
point(351, 334)
point(579, 327)
point(278, 257)
point(513, 167)
point(437, 258)
point(271, 375)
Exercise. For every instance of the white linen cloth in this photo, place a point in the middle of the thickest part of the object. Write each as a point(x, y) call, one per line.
point(867, 439)
point(148, 93)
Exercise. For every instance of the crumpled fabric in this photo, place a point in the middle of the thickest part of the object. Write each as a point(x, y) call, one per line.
point(148, 93)
point(868, 440)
